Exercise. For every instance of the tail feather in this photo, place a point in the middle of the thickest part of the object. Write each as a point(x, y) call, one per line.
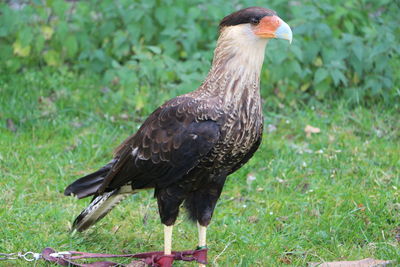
point(89, 184)
point(98, 208)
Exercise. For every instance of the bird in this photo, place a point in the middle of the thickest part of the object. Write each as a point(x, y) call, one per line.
point(187, 147)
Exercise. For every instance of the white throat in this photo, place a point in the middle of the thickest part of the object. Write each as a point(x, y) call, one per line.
point(240, 50)
point(236, 66)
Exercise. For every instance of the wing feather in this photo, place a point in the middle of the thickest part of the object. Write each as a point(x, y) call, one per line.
point(170, 143)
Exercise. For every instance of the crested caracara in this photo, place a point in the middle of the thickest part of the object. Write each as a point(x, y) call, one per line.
point(188, 146)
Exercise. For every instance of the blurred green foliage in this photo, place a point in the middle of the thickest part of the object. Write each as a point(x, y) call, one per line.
point(346, 49)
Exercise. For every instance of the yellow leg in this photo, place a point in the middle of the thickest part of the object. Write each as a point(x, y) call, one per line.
point(202, 238)
point(168, 239)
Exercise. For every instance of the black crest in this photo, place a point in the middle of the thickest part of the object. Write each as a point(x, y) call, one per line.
point(248, 15)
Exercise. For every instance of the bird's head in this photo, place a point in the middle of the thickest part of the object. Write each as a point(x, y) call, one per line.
point(256, 23)
point(243, 37)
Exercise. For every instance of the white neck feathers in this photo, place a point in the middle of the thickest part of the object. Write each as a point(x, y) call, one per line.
point(239, 50)
point(236, 66)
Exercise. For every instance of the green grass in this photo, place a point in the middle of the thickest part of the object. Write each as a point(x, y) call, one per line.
point(333, 196)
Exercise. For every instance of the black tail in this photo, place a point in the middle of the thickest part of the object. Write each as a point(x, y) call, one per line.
point(89, 184)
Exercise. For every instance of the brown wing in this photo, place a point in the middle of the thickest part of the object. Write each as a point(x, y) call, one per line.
point(169, 144)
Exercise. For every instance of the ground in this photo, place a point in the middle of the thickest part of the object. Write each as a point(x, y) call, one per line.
point(331, 196)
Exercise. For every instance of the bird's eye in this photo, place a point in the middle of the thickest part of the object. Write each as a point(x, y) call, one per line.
point(254, 21)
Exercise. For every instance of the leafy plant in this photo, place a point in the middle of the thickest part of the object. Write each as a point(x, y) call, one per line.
point(345, 50)
point(341, 49)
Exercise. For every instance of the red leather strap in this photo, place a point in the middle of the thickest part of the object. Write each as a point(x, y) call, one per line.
point(201, 255)
point(165, 261)
point(154, 259)
point(64, 261)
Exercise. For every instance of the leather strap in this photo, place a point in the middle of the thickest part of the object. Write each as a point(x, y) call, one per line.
point(153, 259)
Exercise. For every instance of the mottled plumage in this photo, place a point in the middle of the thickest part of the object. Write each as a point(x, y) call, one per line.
point(187, 147)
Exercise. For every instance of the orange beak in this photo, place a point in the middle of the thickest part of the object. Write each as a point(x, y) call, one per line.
point(273, 27)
